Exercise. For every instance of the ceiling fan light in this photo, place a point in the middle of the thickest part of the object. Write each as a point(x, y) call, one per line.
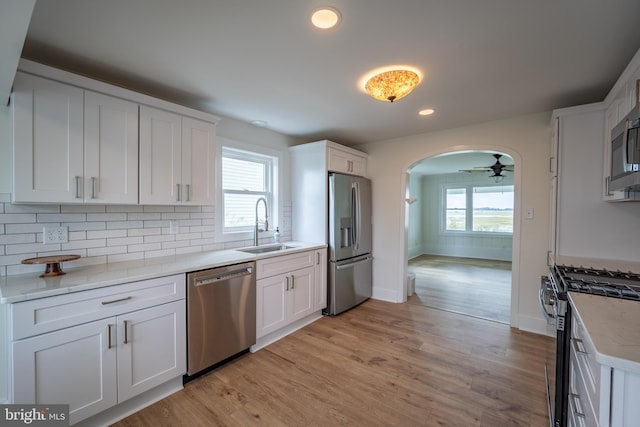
point(497, 178)
point(391, 85)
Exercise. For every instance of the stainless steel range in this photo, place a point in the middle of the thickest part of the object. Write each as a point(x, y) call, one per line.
point(553, 300)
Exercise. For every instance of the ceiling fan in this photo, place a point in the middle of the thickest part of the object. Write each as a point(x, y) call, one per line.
point(496, 168)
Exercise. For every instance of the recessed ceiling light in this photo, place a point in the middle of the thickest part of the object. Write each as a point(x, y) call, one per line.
point(325, 17)
point(426, 112)
point(259, 123)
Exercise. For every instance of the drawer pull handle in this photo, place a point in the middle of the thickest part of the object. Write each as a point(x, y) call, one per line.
point(577, 405)
point(577, 342)
point(287, 280)
point(293, 283)
point(116, 300)
point(126, 331)
point(109, 332)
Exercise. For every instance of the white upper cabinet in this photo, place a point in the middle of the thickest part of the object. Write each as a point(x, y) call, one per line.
point(110, 149)
point(73, 146)
point(347, 162)
point(198, 161)
point(47, 140)
point(177, 159)
point(78, 140)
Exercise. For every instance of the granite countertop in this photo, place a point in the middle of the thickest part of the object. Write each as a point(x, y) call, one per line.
point(612, 328)
point(26, 287)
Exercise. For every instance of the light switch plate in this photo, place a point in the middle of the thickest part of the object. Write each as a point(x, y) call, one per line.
point(55, 235)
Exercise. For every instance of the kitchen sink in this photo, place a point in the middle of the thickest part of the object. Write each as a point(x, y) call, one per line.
point(265, 249)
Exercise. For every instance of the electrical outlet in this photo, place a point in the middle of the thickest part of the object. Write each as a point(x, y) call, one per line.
point(55, 235)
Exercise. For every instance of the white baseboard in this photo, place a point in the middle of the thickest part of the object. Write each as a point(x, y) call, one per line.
point(385, 295)
point(133, 405)
point(536, 325)
point(281, 333)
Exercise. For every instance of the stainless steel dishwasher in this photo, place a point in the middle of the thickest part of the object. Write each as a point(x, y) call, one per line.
point(221, 314)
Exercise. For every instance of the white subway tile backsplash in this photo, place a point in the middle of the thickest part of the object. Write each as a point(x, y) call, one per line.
point(30, 248)
point(13, 239)
point(188, 236)
point(175, 215)
point(125, 241)
point(124, 224)
point(9, 208)
point(143, 216)
point(143, 231)
point(117, 216)
point(160, 209)
point(86, 226)
point(77, 235)
point(18, 218)
point(82, 208)
point(159, 238)
point(103, 234)
point(175, 244)
point(109, 250)
point(66, 217)
point(125, 208)
point(84, 244)
point(144, 247)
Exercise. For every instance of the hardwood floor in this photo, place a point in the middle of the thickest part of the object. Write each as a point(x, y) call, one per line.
point(379, 364)
point(475, 287)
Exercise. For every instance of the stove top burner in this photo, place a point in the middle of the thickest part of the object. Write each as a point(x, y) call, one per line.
point(615, 284)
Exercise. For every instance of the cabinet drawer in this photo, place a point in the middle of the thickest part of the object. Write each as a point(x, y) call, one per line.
point(48, 314)
point(580, 409)
point(282, 264)
point(585, 357)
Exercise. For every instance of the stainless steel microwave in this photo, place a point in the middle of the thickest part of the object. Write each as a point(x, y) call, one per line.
point(625, 153)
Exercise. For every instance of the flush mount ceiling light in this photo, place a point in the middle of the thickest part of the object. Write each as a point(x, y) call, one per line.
point(426, 112)
point(391, 83)
point(325, 17)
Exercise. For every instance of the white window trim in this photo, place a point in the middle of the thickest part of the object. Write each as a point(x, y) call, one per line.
point(469, 217)
point(276, 215)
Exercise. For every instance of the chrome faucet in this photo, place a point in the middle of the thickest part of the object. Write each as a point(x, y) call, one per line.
point(266, 220)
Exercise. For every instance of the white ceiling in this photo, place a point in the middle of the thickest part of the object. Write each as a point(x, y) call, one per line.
point(262, 60)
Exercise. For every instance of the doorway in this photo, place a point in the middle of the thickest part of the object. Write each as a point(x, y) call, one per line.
point(460, 218)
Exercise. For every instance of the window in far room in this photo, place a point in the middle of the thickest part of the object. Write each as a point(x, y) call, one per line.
point(479, 209)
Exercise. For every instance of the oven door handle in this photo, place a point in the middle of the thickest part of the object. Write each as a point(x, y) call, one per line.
point(543, 306)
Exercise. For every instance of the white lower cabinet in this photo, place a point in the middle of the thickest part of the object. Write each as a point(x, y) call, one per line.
point(72, 366)
point(599, 395)
point(287, 288)
point(95, 365)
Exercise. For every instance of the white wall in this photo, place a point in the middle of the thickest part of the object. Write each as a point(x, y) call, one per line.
point(527, 140)
point(414, 212)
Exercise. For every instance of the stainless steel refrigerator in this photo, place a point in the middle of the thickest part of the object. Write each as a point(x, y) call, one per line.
point(350, 259)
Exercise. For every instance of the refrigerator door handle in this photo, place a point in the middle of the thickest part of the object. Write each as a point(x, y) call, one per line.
point(355, 215)
point(351, 264)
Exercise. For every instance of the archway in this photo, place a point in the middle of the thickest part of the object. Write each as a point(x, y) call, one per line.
point(515, 252)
